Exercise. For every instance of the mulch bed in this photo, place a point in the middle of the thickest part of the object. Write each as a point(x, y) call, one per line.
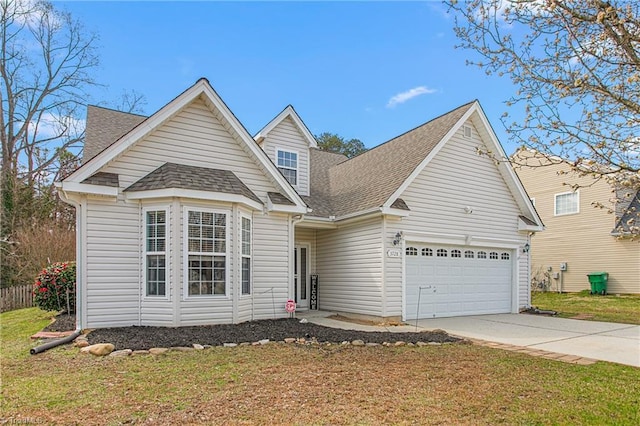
point(63, 322)
point(138, 338)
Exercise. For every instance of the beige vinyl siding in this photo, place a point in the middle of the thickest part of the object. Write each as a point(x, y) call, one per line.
point(271, 256)
point(392, 268)
point(458, 177)
point(349, 265)
point(196, 137)
point(112, 263)
point(581, 240)
point(286, 136)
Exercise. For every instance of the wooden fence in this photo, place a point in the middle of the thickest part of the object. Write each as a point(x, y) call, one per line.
point(17, 297)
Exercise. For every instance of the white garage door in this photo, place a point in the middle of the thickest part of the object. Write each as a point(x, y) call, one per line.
point(454, 281)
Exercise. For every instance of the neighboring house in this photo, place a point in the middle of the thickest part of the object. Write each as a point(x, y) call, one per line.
point(183, 219)
point(577, 234)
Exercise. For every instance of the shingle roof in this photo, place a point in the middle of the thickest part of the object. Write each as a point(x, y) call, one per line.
point(103, 178)
point(630, 220)
point(104, 127)
point(319, 199)
point(368, 180)
point(181, 176)
point(278, 198)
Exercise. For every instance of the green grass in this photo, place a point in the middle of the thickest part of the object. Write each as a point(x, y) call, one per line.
point(622, 309)
point(289, 384)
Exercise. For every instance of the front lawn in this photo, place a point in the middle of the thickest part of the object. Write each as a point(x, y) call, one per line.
point(296, 384)
point(623, 309)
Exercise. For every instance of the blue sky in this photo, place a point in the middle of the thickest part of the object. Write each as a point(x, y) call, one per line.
point(340, 64)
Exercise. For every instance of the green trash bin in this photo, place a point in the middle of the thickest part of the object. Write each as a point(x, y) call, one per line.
point(598, 281)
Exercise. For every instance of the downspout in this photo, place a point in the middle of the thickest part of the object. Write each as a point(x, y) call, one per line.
point(79, 265)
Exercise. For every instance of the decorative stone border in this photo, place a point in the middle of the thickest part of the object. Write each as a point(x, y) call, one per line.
point(107, 349)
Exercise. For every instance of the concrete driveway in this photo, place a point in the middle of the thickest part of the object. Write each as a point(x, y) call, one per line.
point(604, 341)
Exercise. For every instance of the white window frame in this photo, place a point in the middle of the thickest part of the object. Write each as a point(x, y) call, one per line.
point(146, 253)
point(246, 256)
point(555, 203)
point(467, 131)
point(296, 169)
point(186, 253)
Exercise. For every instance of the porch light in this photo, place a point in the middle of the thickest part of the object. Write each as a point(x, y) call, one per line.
point(398, 238)
point(525, 248)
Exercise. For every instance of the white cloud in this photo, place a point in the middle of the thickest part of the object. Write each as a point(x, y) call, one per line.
point(403, 97)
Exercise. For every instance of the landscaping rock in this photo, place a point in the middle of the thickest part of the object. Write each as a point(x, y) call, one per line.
point(434, 343)
point(290, 340)
point(81, 343)
point(264, 341)
point(158, 351)
point(121, 353)
point(181, 348)
point(421, 344)
point(371, 344)
point(357, 342)
point(140, 352)
point(99, 349)
point(198, 347)
point(400, 343)
point(229, 345)
point(245, 344)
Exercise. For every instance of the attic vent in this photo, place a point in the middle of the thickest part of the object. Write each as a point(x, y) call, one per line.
point(467, 131)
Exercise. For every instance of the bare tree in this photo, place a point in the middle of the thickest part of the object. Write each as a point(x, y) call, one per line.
point(46, 59)
point(576, 65)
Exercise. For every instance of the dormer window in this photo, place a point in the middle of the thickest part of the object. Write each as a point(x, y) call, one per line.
point(287, 162)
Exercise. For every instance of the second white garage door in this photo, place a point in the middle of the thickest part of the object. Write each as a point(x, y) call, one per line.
point(455, 281)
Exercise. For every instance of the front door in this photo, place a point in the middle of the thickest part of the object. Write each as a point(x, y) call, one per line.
point(301, 275)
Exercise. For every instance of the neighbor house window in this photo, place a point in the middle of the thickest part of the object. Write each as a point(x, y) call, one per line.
point(246, 255)
point(206, 242)
point(566, 203)
point(287, 162)
point(155, 252)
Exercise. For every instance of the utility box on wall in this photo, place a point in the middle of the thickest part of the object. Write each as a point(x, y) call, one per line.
point(563, 266)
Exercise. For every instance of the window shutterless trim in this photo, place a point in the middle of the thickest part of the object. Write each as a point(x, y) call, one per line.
point(296, 168)
point(555, 203)
point(213, 254)
point(246, 255)
point(165, 253)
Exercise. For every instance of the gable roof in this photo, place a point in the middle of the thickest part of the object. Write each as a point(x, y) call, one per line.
point(200, 90)
point(291, 113)
point(180, 176)
point(629, 223)
point(104, 127)
point(370, 179)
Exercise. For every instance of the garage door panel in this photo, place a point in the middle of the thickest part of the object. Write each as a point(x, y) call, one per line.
point(460, 283)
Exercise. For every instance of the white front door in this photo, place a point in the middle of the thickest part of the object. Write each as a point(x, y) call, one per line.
point(301, 275)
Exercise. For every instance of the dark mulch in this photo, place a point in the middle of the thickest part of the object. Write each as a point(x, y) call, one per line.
point(63, 322)
point(137, 338)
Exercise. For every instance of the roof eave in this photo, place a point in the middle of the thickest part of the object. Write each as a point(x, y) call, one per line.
point(193, 194)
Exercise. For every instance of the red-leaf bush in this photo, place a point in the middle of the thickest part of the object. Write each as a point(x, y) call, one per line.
point(53, 285)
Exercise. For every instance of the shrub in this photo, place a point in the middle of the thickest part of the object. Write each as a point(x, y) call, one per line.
point(52, 286)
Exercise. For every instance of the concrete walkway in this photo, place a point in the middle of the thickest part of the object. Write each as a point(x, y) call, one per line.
point(557, 338)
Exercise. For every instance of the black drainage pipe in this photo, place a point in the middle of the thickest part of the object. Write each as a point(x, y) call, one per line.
point(55, 343)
